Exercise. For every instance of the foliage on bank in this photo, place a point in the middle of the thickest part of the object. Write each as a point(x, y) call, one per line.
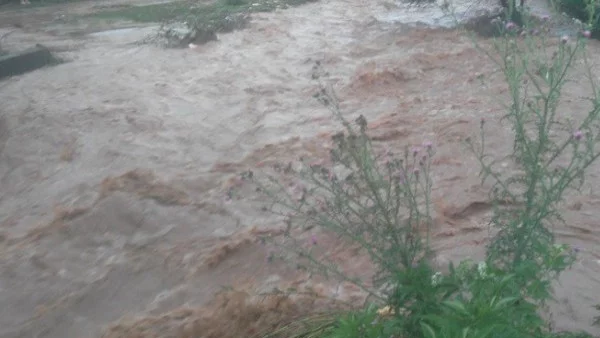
point(382, 204)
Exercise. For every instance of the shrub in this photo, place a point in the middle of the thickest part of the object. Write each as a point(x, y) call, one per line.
point(382, 204)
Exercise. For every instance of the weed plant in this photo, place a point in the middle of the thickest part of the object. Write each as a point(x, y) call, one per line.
point(382, 203)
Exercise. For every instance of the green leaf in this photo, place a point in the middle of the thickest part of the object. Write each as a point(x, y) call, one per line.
point(428, 331)
point(457, 306)
point(486, 332)
point(504, 302)
point(440, 321)
point(505, 280)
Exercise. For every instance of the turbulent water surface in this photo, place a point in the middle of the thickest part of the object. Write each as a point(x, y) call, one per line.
point(114, 165)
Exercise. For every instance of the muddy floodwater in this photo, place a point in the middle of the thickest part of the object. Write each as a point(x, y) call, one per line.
point(114, 166)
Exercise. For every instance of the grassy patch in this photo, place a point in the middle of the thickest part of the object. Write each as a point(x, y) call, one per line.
point(155, 12)
point(36, 3)
point(209, 13)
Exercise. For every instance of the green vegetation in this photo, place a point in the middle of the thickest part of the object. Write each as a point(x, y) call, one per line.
point(165, 11)
point(36, 3)
point(588, 11)
point(381, 202)
point(193, 11)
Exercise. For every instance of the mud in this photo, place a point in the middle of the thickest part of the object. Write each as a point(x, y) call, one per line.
point(114, 166)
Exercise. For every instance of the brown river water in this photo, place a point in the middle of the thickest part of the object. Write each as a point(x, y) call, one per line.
point(114, 165)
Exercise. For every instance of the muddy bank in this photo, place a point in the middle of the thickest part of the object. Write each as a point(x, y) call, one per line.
point(114, 166)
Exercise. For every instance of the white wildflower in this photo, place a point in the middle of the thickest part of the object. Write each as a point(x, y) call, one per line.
point(482, 269)
point(436, 278)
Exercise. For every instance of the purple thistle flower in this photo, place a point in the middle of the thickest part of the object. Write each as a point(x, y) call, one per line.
point(428, 145)
point(415, 151)
point(510, 25)
point(545, 18)
point(313, 240)
point(578, 134)
point(564, 39)
point(586, 34)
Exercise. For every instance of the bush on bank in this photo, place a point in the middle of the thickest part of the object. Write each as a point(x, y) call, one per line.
point(382, 204)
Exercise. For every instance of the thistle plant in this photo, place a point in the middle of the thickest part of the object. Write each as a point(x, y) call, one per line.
point(551, 151)
point(379, 202)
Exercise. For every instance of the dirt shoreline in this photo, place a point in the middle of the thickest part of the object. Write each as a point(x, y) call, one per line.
point(114, 166)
